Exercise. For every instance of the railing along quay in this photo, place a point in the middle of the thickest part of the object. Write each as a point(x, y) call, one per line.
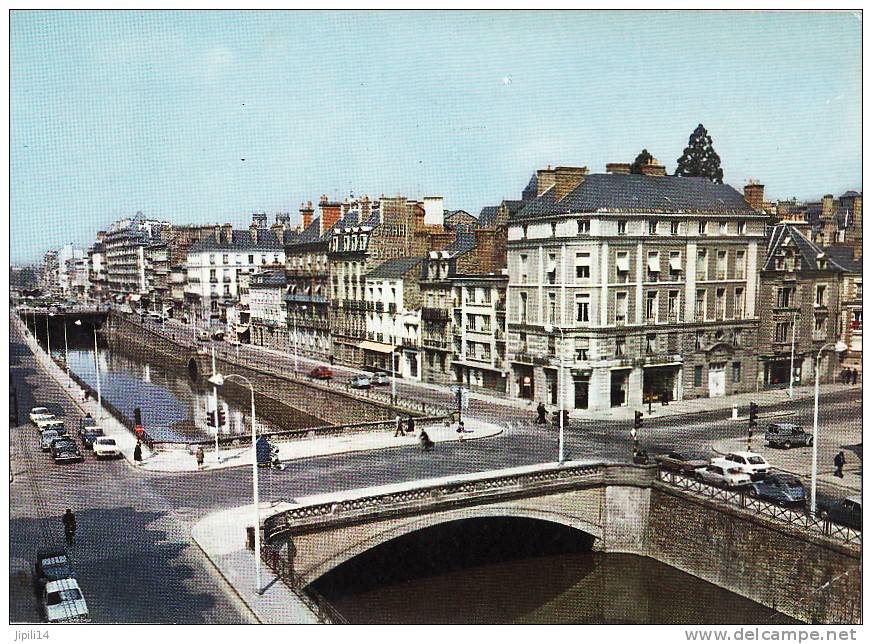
point(738, 498)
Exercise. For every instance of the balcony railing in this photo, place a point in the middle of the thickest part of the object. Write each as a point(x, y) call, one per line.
point(434, 315)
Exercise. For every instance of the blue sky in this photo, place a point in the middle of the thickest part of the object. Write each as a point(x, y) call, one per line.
point(114, 112)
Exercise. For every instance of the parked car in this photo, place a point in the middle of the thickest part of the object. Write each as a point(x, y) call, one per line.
point(55, 425)
point(47, 438)
point(783, 489)
point(847, 511)
point(62, 601)
point(321, 373)
point(65, 450)
point(86, 423)
point(203, 336)
point(748, 462)
point(106, 447)
point(723, 475)
point(360, 382)
point(157, 317)
point(38, 414)
point(218, 335)
point(680, 462)
point(51, 564)
point(90, 435)
point(787, 435)
point(381, 378)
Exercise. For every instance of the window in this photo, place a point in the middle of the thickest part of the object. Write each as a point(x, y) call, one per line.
point(582, 266)
point(722, 228)
point(622, 265)
point(211, 258)
point(552, 308)
point(820, 327)
point(740, 264)
point(650, 343)
point(782, 330)
point(820, 295)
point(652, 227)
point(739, 303)
point(621, 307)
point(697, 376)
point(551, 269)
point(523, 266)
point(675, 265)
point(522, 308)
point(702, 227)
point(653, 266)
point(582, 308)
point(738, 337)
point(225, 259)
point(740, 228)
point(582, 349)
point(698, 340)
point(524, 231)
point(737, 372)
point(554, 229)
point(674, 227)
point(622, 226)
point(722, 264)
point(651, 306)
point(721, 303)
point(583, 226)
point(702, 264)
point(700, 310)
point(784, 297)
point(620, 346)
point(672, 306)
point(552, 345)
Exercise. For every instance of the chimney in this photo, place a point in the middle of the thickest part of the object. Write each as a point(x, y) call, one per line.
point(330, 213)
point(253, 229)
point(544, 180)
point(654, 169)
point(618, 168)
point(754, 195)
point(306, 212)
point(226, 233)
point(567, 179)
point(827, 206)
point(434, 211)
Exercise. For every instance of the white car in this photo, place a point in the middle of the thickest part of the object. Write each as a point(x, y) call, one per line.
point(39, 415)
point(62, 601)
point(750, 463)
point(106, 447)
point(722, 475)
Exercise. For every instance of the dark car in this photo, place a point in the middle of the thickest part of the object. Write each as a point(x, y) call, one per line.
point(51, 564)
point(680, 462)
point(321, 373)
point(86, 424)
point(787, 435)
point(360, 382)
point(782, 489)
point(65, 450)
point(90, 435)
point(847, 511)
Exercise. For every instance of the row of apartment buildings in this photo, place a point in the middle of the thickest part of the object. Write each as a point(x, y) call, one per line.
point(597, 289)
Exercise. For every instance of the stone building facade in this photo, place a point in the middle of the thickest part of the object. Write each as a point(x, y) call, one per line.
point(268, 315)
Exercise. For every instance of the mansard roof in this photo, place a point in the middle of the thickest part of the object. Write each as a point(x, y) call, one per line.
point(782, 235)
point(241, 240)
point(394, 268)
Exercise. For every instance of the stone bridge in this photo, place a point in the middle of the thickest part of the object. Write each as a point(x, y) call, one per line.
point(807, 569)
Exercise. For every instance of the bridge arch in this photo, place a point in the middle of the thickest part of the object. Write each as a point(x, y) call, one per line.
point(355, 543)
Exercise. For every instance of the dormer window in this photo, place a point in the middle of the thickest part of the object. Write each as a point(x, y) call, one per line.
point(583, 226)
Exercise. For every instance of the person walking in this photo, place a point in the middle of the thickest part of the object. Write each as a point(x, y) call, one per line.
point(137, 453)
point(69, 521)
point(410, 425)
point(542, 414)
point(854, 374)
point(839, 462)
point(201, 456)
point(399, 429)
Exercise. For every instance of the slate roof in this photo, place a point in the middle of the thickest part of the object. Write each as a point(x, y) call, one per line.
point(310, 235)
point(488, 214)
point(529, 193)
point(809, 252)
point(268, 279)
point(242, 240)
point(394, 268)
point(850, 193)
point(843, 258)
point(464, 241)
point(640, 193)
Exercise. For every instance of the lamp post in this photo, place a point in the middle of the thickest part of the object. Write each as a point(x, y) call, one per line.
point(97, 370)
point(296, 352)
point(792, 353)
point(838, 347)
point(550, 328)
point(218, 380)
point(48, 335)
point(66, 346)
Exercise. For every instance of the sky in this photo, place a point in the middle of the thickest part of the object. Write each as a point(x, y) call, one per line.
point(206, 117)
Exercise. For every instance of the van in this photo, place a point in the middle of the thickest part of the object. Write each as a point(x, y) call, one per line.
point(787, 435)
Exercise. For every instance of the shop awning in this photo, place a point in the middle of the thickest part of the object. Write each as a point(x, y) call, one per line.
point(369, 345)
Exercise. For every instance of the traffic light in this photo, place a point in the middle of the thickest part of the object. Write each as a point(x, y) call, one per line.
point(210, 418)
point(637, 421)
point(222, 418)
point(752, 415)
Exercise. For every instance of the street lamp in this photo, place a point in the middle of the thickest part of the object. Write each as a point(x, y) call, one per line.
point(48, 335)
point(96, 369)
point(218, 380)
point(296, 358)
point(550, 328)
point(792, 353)
point(66, 346)
point(838, 347)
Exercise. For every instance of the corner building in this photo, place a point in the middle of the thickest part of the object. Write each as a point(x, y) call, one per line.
point(625, 288)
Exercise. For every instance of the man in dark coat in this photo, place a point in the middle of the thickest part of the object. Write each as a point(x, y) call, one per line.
point(137, 453)
point(839, 462)
point(542, 413)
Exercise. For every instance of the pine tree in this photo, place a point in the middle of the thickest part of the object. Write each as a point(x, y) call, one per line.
point(699, 158)
point(641, 159)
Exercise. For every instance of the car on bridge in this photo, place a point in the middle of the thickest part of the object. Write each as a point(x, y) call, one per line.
point(360, 382)
point(723, 475)
point(65, 450)
point(680, 462)
point(106, 447)
point(62, 601)
point(787, 435)
point(783, 489)
point(51, 564)
point(750, 463)
point(40, 415)
point(381, 378)
point(321, 373)
point(847, 511)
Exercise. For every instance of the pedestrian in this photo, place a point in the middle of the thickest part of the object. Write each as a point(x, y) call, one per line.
point(426, 443)
point(84, 395)
point(201, 456)
point(410, 425)
point(854, 374)
point(137, 453)
point(542, 413)
point(839, 462)
point(399, 429)
point(69, 521)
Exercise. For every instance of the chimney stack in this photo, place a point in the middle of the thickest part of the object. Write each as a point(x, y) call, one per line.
point(306, 212)
point(434, 211)
point(567, 180)
point(654, 169)
point(545, 179)
point(330, 213)
point(827, 206)
point(225, 233)
point(754, 195)
point(253, 229)
point(618, 168)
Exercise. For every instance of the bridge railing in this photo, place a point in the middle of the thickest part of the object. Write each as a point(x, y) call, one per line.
point(440, 494)
point(738, 497)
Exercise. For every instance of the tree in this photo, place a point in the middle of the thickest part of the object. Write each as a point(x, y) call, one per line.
point(641, 159)
point(699, 158)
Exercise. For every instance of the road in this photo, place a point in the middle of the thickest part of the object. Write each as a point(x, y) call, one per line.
point(133, 553)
